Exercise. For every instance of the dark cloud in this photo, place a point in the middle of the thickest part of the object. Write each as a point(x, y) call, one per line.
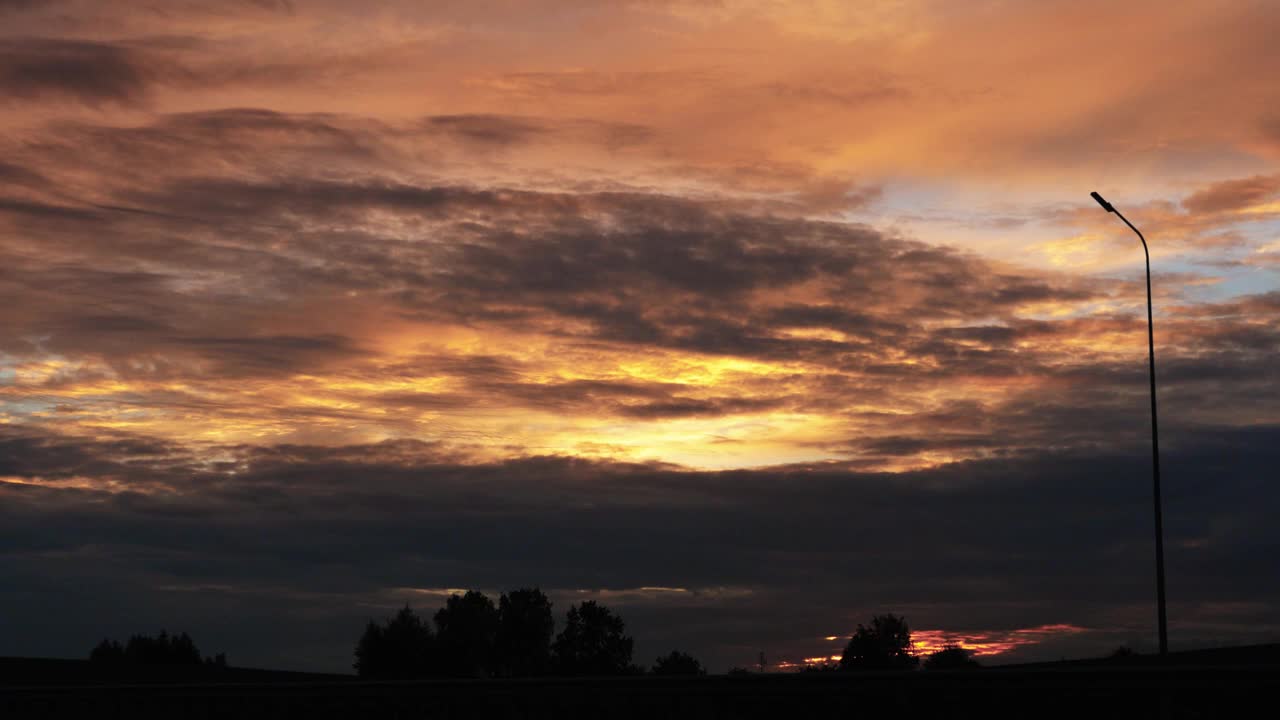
point(90, 72)
point(648, 401)
point(834, 317)
point(279, 5)
point(18, 175)
point(253, 140)
point(913, 445)
point(480, 132)
point(271, 353)
point(42, 210)
point(1233, 194)
point(486, 129)
point(47, 456)
point(321, 537)
point(24, 4)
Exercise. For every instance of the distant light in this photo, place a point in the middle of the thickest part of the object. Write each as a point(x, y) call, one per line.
point(831, 637)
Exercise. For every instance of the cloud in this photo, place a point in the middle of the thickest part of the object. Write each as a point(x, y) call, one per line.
point(23, 4)
point(312, 303)
point(293, 318)
point(596, 83)
point(486, 129)
point(981, 547)
point(1233, 194)
point(90, 72)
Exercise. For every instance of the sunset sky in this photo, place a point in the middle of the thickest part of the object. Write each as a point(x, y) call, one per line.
point(748, 319)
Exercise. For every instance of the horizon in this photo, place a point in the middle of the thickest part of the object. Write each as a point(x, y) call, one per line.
point(748, 320)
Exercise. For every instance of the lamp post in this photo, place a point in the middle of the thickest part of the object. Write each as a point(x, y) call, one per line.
point(1155, 440)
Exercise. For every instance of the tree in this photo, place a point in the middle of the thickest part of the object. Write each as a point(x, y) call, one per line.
point(678, 663)
point(525, 628)
point(951, 657)
point(107, 651)
point(886, 645)
point(163, 649)
point(467, 628)
point(593, 642)
point(402, 648)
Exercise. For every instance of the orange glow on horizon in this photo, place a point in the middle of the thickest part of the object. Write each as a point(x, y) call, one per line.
point(983, 644)
point(988, 644)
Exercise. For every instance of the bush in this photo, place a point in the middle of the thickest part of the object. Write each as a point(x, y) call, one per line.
point(885, 645)
point(678, 663)
point(951, 657)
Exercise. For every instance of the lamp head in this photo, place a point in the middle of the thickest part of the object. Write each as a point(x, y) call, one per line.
point(1105, 205)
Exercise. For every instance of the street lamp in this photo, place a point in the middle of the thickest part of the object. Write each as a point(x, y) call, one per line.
point(1155, 441)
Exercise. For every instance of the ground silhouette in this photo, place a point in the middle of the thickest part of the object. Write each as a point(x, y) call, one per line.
point(166, 673)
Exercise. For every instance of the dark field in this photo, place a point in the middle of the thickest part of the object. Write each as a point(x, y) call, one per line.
point(1216, 685)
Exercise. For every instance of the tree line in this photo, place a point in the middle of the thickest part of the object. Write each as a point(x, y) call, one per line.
point(163, 649)
point(475, 638)
point(471, 636)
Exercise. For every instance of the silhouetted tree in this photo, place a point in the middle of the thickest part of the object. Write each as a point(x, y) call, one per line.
point(525, 627)
point(107, 651)
point(678, 663)
point(467, 627)
point(951, 657)
point(163, 649)
point(886, 645)
point(593, 642)
point(401, 648)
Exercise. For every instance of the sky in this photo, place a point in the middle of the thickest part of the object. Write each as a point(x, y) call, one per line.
point(748, 319)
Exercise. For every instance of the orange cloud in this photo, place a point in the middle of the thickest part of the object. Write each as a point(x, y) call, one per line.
point(992, 643)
